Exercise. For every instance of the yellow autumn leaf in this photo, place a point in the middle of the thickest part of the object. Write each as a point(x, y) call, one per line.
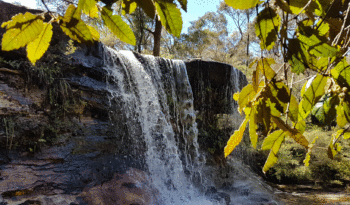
point(21, 34)
point(273, 142)
point(235, 139)
point(37, 48)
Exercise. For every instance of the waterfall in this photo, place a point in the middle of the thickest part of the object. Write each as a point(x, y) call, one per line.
point(156, 99)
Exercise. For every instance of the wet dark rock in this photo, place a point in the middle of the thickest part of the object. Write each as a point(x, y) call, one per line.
point(213, 85)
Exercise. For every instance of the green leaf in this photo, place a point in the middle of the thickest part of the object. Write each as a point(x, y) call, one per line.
point(235, 139)
point(293, 109)
point(183, 4)
point(170, 16)
point(264, 66)
point(37, 48)
point(147, 6)
point(20, 19)
point(346, 135)
point(270, 140)
point(334, 147)
point(88, 7)
point(95, 34)
point(273, 142)
point(242, 4)
point(20, 34)
point(301, 126)
point(341, 73)
point(71, 13)
point(296, 6)
point(253, 127)
point(266, 28)
point(343, 114)
point(297, 56)
point(129, 6)
point(312, 95)
point(293, 133)
point(316, 47)
point(263, 115)
point(308, 154)
point(236, 96)
point(118, 27)
point(245, 96)
point(324, 110)
point(323, 29)
point(74, 27)
point(279, 93)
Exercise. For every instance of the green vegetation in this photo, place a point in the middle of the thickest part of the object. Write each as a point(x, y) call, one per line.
point(321, 171)
point(308, 35)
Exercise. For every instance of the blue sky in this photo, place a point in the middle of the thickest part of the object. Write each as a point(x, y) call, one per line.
point(196, 9)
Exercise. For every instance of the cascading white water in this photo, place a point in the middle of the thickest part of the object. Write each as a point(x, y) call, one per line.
point(140, 86)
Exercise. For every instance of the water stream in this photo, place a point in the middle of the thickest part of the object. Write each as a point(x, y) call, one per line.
point(154, 101)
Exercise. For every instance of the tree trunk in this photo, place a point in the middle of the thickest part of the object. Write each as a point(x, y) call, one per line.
point(157, 36)
point(247, 61)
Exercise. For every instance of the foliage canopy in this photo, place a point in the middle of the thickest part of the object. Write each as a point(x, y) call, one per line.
point(30, 30)
point(310, 35)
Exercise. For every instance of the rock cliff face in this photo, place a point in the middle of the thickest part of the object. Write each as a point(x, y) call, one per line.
point(86, 128)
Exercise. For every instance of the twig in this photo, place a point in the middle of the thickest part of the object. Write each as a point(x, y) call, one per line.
point(290, 97)
point(47, 8)
point(308, 3)
point(337, 38)
point(15, 72)
point(303, 79)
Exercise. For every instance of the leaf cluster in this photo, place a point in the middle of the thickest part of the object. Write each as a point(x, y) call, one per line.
point(311, 35)
point(34, 32)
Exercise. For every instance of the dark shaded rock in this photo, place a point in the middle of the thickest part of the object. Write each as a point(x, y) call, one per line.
point(213, 85)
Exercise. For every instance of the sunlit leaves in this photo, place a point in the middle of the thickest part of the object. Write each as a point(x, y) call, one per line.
point(316, 47)
point(263, 115)
point(21, 30)
point(293, 109)
point(264, 66)
point(341, 73)
point(297, 6)
point(245, 96)
point(170, 16)
point(267, 27)
point(292, 132)
point(298, 57)
point(312, 95)
point(308, 154)
point(88, 7)
point(129, 6)
point(324, 111)
point(334, 146)
point(242, 4)
point(37, 48)
point(343, 114)
point(235, 139)
point(19, 19)
point(118, 27)
point(94, 33)
point(74, 27)
point(272, 142)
